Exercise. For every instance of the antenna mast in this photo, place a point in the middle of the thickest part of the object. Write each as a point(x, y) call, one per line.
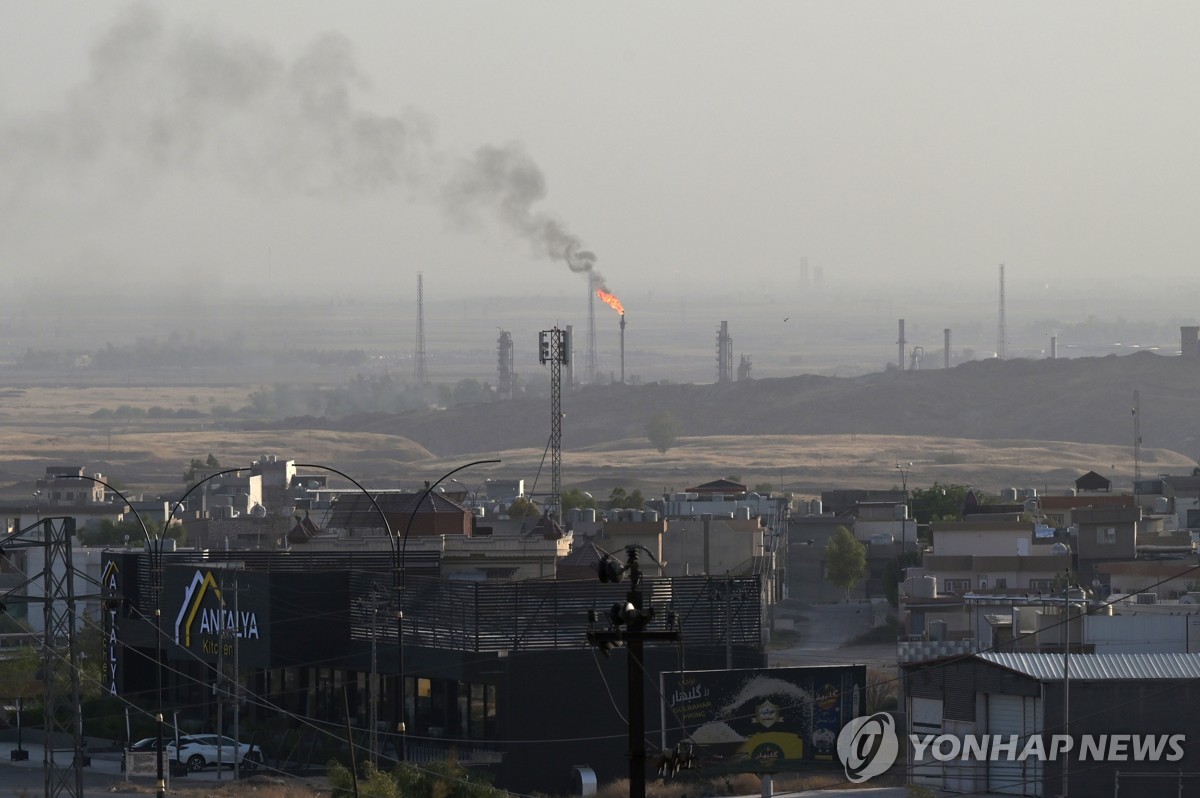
point(421, 377)
point(1001, 332)
point(554, 349)
point(1137, 444)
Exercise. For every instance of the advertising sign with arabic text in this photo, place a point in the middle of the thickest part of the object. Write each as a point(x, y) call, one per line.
point(761, 720)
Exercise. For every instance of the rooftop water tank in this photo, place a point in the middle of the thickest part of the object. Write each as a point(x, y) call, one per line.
point(922, 586)
point(815, 507)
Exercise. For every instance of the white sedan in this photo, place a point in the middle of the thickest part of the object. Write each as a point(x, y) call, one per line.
point(200, 750)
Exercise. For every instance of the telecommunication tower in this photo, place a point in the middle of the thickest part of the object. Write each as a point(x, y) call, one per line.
point(554, 347)
point(419, 374)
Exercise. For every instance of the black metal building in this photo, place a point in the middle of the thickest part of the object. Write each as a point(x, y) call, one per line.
point(497, 674)
point(1128, 717)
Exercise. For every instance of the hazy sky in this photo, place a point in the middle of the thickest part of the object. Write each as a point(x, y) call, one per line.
point(347, 146)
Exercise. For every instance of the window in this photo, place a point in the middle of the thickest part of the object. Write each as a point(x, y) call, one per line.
point(983, 583)
point(956, 586)
point(1106, 535)
point(1042, 585)
point(1001, 583)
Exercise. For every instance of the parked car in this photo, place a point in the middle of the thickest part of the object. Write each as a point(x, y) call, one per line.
point(199, 751)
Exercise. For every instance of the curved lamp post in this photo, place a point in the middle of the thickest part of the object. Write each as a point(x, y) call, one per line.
point(156, 550)
point(392, 541)
point(400, 726)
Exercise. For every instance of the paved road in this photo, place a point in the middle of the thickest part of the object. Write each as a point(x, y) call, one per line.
point(102, 777)
point(824, 631)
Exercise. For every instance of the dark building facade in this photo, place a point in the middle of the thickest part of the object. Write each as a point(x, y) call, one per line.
point(497, 674)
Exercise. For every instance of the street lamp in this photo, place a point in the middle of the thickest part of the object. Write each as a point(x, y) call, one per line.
point(37, 504)
point(374, 612)
point(400, 576)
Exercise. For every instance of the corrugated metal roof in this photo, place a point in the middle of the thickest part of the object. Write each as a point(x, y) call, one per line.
point(1046, 667)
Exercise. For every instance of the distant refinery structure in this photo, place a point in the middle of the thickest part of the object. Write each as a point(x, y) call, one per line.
point(420, 375)
point(724, 354)
point(504, 365)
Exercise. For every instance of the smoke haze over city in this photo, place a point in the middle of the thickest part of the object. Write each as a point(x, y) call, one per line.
point(283, 146)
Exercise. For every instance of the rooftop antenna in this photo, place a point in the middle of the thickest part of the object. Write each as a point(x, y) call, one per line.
point(1001, 333)
point(421, 377)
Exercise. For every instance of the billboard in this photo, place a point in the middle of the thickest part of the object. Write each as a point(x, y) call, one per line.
point(760, 720)
point(212, 613)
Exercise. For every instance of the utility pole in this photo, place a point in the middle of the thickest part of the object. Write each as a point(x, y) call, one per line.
point(372, 605)
point(627, 628)
point(903, 468)
point(1001, 327)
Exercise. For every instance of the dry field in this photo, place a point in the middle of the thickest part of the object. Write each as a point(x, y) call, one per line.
point(53, 425)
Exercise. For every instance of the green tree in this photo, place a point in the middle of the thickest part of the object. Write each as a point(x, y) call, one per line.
point(845, 560)
point(444, 779)
point(114, 533)
point(210, 464)
point(764, 488)
point(937, 503)
point(523, 508)
point(619, 499)
point(18, 673)
point(577, 499)
point(663, 431)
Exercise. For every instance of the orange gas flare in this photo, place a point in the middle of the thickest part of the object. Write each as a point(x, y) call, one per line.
point(610, 300)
